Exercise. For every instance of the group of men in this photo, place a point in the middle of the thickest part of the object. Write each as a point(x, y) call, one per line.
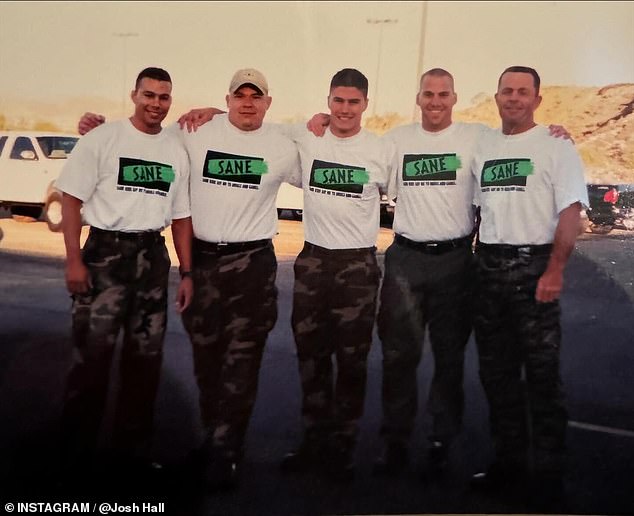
point(530, 190)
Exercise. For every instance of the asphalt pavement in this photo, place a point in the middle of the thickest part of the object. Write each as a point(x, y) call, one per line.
point(597, 365)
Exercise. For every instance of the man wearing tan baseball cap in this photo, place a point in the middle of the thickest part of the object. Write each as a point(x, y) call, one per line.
point(237, 164)
point(248, 99)
point(249, 76)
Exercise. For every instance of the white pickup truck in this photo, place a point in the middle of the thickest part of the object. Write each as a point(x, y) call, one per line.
point(290, 198)
point(30, 162)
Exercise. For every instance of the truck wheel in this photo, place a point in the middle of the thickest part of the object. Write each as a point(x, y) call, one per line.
point(53, 212)
point(601, 229)
point(26, 213)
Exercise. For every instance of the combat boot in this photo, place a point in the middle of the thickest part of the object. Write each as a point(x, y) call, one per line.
point(339, 464)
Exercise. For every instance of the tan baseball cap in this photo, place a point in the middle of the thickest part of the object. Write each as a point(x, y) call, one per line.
point(249, 76)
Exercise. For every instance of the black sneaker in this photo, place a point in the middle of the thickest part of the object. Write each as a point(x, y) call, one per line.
point(393, 461)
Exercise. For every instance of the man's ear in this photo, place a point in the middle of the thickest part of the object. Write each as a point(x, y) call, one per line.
point(538, 101)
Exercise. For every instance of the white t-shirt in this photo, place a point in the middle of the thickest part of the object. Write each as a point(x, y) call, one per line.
point(128, 180)
point(433, 184)
point(235, 176)
point(342, 179)
point(524, 182)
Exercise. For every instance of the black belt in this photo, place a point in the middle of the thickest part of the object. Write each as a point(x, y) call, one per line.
point(514, 251)
point(440, 247)
point(143, 237)
point(339, 253)
point(229, 247)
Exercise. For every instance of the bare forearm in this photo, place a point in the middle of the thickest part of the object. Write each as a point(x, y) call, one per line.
point(551, 282)
point(565, 236)
point(182, 234)
point(71, 214)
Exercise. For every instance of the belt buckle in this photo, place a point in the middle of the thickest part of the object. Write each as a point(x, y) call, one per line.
point(222, 244)
point(524, 252)
point(431, 244)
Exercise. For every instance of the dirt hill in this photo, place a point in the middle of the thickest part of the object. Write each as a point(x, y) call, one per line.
point(601, 121)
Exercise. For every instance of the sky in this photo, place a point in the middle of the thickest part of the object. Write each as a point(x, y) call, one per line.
point(52, 51)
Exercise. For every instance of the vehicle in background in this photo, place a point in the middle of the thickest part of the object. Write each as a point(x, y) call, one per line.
point(387, 210)
point(611, 205)
point(290, 198)
point(30, 162)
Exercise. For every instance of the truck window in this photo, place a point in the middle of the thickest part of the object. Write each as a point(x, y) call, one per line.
point(57, 147)
point(22, 143)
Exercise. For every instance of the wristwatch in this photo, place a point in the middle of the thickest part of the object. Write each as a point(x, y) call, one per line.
point(185, 274)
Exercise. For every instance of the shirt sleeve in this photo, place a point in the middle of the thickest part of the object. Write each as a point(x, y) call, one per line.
point(569, 181)
point(181, 206)
point(390, 183)
point(485, 137)
point(293, 173)
point(80, 172)
point(295, 132)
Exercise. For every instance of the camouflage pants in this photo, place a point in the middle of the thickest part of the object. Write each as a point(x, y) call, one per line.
point(519, 343)
point(233, 310)
point(334, 303)
point(420, 291)
point(129, 277)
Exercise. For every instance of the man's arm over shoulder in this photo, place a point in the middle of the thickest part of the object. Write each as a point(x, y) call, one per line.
point(295, 131)
point(89, 121)
point(196, 117)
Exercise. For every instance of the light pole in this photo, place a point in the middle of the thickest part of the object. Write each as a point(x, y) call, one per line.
point(421, 55)
point(380, 22)
point(124, 58)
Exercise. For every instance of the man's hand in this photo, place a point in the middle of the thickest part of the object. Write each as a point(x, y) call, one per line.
point(318, 124)
point(185, 294)
point(197, 117)
point(551, 282)
point(559, 131)
point(78, 278)
point(549, 285)
point(89, 121)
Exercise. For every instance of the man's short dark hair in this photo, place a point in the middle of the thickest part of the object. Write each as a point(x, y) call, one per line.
point(349, 77)
point(437, 72)
point(523, 69)
point(152, 73)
